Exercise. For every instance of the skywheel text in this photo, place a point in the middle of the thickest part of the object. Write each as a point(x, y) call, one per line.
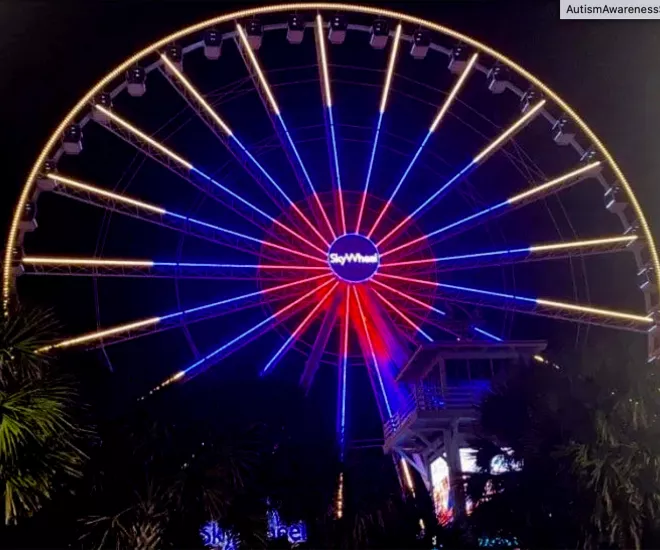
point(353, 258)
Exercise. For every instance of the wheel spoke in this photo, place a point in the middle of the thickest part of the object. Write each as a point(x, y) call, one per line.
point(343, 368)
point(217, 354)
point(251, 60)
point(143, 138)
point(401, 314)
point(321, 342)
point(434, 125)
point(410, 298)
point(516, 201)
point(542, 306)
point(100, 267)
point(487, 334)
point(436, 310)
point(373, 352)
point(187, 85)
point(381, 112)
point(300, 328)
point(329, 117)
point(99, 337)
point(494, 258)
point(418, 302)
point(191, 225)
point(475, 162)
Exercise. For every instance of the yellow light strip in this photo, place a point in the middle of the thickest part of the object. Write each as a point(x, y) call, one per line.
point(180, 374)
point(176, 376)
point(510, 131)
point(49, 260)
point(221, 123)
point(454, 92)
point(339, 511)
point(117, 72)
point(595, 311)
point(552, 183)
point(407, 476)
point(577, 244)
point(108, 194)
point(144, 136)
point(188, 85)
point(390, 68)
point(257, 68)
point(98, 335)
point(275, 107)
point(320, 40)
point(533, 248)
point(539, 301)
point(541, 359)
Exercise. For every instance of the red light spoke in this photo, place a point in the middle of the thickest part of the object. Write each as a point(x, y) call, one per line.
point(299, 329)
point(402, 314)
point(373, 352)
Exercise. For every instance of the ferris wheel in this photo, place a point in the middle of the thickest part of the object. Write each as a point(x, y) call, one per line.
point(333, 184)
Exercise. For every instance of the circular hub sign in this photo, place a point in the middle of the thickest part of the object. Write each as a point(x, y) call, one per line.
point(353, 258)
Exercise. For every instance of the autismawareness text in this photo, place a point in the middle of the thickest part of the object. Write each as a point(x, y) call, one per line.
point(353, 258)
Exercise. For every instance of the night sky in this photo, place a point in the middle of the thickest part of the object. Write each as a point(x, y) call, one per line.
point(52, 52)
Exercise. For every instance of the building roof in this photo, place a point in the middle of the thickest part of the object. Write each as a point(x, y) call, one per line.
point(427, 355)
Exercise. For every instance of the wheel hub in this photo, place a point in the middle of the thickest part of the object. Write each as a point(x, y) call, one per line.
point(353, 258)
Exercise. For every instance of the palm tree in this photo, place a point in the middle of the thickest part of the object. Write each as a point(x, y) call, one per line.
point(40, 435)
point(617, 460)
point(587, 435)
point(140, 526)
point(216, 480)
point(154, 483)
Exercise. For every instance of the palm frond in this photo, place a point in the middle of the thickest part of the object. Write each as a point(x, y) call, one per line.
point(39, 432)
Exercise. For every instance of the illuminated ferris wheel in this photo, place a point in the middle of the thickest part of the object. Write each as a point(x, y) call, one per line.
point(333, 184)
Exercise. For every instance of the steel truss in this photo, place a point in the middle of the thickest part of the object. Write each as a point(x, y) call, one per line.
point(164, 220)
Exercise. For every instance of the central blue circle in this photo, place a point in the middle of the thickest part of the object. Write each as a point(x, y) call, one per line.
point(353, 258)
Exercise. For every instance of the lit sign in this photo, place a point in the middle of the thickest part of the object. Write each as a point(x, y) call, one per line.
point(444, 509)
point(295, 532)
point(353, 258)
point(499, 464)
point(468, 459)
point(214, 536)
point(217, 538)
point(498, 542)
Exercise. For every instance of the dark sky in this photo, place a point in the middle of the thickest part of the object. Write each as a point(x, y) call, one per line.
point(52, 51)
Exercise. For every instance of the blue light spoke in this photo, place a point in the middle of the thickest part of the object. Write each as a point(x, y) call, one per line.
point(300, 328)
point(488, 293)
point(242, 236)
point(337, 172)
point(243, 335)
point(373, 353)
point(343, 379)
point(446, 186)
point(487, 334)
point(369, 170)
point(241, 297)
point(233, 194)
point(444, 229)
